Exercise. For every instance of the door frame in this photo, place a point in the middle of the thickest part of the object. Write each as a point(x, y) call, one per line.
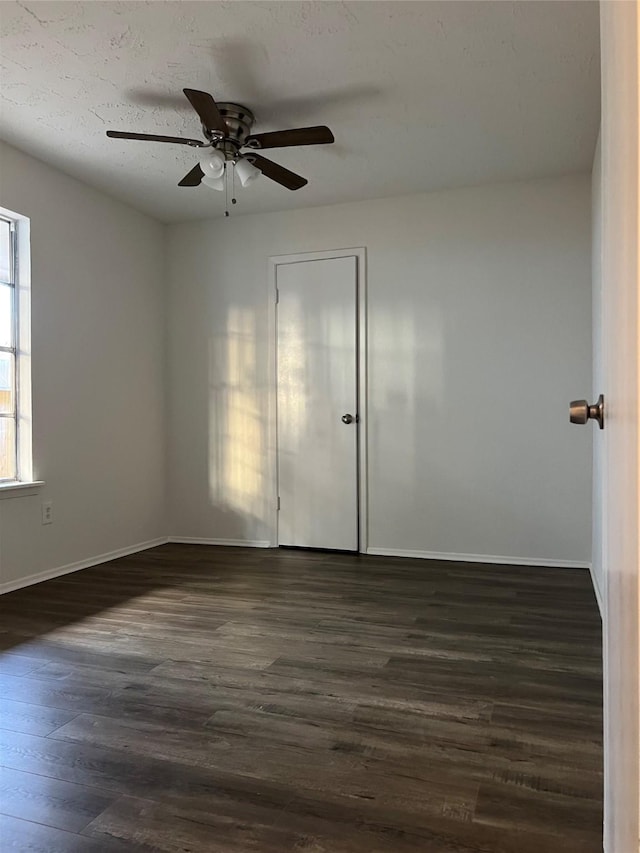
point(360, 254)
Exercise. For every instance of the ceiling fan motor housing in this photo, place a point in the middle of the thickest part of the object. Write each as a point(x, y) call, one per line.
point(239, 121)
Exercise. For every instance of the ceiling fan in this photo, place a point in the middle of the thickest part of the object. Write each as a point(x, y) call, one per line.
point(227, 130)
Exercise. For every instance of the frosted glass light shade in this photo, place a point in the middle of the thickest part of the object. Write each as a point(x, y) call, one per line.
point(246, 172)
point(212, 163)
point(214, 183)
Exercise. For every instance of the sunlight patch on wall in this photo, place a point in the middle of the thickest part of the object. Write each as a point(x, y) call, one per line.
point(236, 459)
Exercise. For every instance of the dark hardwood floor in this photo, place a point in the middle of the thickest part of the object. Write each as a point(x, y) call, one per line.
point(218, 700)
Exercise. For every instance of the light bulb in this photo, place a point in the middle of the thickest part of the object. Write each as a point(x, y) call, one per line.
point(212, 163)
point(246, 171)
point(214, 183)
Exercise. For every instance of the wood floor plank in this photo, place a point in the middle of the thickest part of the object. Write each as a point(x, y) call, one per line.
point(17, 665)
point(319, 765)
point(31, 719)
point(151, 826)
point(49, 801)
point(521, 808)
point(69, 645)
point(237, 700)
point(51, 695)
point(156, 689)
point(22, 836)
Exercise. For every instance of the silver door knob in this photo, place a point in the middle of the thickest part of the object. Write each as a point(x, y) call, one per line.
point(347, 419)
point(580, 411)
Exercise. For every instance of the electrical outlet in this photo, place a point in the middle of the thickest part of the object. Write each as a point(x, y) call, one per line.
point(47, 512)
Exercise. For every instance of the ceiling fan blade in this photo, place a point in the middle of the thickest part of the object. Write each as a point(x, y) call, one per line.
point(192, 178)
point(277, 173)
point(206, 107)
point(320, 135)
point(150, 137)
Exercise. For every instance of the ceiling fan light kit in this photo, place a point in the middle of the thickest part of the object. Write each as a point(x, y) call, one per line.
point(212, 163)
point(246, 171)
point(214, 183)
point(227, 130)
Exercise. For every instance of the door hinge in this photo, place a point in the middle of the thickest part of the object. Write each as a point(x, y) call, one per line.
point(278, 502)
point(277, 296)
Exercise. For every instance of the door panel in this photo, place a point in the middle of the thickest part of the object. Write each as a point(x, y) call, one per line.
point(317, 385)
point(618, 447)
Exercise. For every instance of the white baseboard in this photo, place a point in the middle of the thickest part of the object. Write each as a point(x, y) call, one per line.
point(49, 574)
point(479, 558)
point(232, 543)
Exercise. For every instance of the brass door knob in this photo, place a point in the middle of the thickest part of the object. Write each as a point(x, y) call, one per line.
point(580, 411)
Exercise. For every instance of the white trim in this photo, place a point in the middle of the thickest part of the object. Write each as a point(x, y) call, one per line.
point(272, 413)
point(360, 254)
point(234, 543)
point(17, 489)
point(22, 309)
point(363, 400)
point(479, 558)
point(597, 592)
point(49, 574)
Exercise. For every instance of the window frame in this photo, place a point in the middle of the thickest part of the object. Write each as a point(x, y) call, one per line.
point(14, 348)
point(24, 483)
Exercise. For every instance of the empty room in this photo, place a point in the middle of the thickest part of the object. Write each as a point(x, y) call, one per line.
point(319, 426)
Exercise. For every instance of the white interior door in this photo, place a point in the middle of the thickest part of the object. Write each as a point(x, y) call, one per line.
point(317, 390)
point(618, 502)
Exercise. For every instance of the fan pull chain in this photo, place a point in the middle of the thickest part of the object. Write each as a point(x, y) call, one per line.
point(234, 200)
point(226, 190)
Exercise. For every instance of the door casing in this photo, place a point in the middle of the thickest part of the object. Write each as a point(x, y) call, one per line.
point(272, 428)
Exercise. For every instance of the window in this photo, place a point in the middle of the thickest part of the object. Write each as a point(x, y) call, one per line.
point(8, 352)
point(15, 362)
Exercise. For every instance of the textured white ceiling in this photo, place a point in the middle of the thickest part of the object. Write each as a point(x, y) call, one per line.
point(419, 95)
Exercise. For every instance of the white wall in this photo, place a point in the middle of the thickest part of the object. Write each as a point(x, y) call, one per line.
point(479, 335)
point(479, 318)
point(597, 570)
point(98, 348)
